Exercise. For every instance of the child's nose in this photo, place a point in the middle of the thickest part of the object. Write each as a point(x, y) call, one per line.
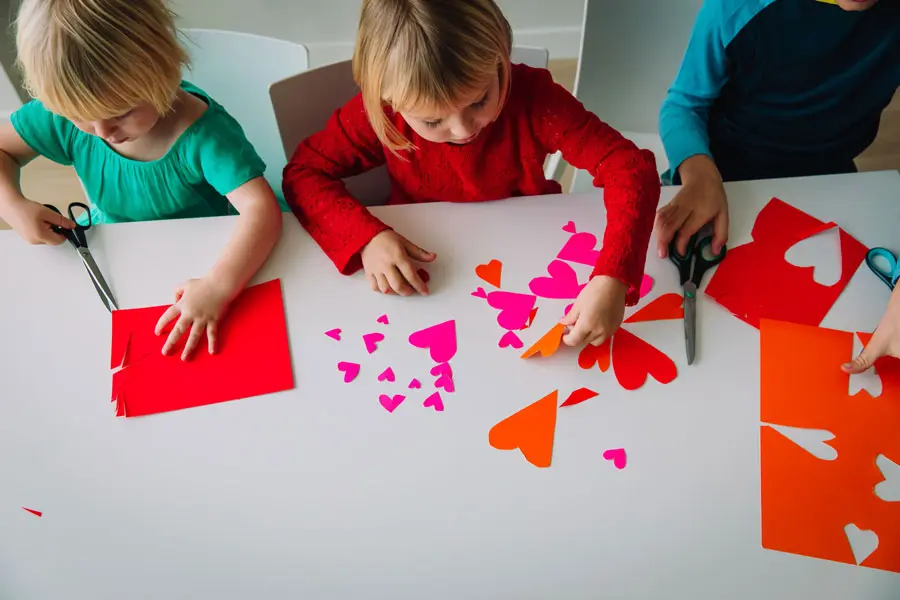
point(104, 129)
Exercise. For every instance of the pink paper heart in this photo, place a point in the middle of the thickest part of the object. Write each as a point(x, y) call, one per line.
point(387, 375)
point(383, 319)
point(569, 227)
point(580, 249)
point(434, 401)
point(617, 456)
point(480, 293)
point(389, 403)
point(514, 308)
point(511, 339)
point(646, 285)
point(568, 308)
point(371, 341)
point(439, 340)
point(562, 283)
point(334, 334)
point(415, 384)
point(349, 369)
point(444, 375)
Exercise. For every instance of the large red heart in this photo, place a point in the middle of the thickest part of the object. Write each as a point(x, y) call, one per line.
point(634, 359)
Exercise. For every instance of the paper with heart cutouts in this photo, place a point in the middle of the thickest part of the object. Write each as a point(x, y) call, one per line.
point(807, 502)
point(531, 431)
point(756, 282)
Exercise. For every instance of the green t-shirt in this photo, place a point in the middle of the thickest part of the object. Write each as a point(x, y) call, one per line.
point(210, 159)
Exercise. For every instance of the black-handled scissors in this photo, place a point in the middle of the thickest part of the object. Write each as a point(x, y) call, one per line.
point(78, 239)
point(692, 266)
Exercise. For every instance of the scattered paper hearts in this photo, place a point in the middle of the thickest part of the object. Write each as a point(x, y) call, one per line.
point(510, 339)
point(36, 513)
point(617, 456)
point(490, 272)
point(579, 396)
point(434, 401)
point(580, 249)
point(415, 384)
point(562, 283)
point(531, 431)
point(515, 309)
point(334, 334)
point(548, 344)
point(569, 227)
point(349, 369)
point(439, 340)
point(387, 375)
point(371, 341)
point(444, 375)
point(480, 293)
point(383, 319)
point(390, 403)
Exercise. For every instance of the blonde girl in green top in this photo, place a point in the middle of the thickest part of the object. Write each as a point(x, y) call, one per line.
point(109, 100)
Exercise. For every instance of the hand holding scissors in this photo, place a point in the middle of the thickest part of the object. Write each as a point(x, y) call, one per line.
point(692, 265)
point(886, 340)
point(37, 224)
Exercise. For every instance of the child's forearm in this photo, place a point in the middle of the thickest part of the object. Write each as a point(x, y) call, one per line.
point(10, 189)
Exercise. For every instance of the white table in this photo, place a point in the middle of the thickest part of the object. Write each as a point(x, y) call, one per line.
point(320, 493)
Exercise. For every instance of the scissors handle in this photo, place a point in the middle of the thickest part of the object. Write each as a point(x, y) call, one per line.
point(693, 264)
point(888, 277)
point(75, 236)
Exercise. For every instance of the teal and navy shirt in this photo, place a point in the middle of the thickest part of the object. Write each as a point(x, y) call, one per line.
point(210, 159)
point(782, 88)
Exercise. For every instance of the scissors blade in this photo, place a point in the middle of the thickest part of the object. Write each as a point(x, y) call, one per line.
point(97, 277)
point(690, 320)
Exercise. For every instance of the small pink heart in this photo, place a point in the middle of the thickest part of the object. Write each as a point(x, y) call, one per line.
point(383, 319)
point(569, 227)
point(646, 285)
point(480, 293)
point(514, 308)
point(415, 384)
point(334, 334)
point(440, 340)
point(510, 339)
point(371, 341)
point(387, 375)
point(434, 401)
point(580, 249)
point(562, 283)
point(349, 369)
point(444, 375)
point(617, 456)
point(390, 404)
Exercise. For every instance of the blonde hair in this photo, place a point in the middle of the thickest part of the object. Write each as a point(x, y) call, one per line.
point(426, 53)
point(89, 60)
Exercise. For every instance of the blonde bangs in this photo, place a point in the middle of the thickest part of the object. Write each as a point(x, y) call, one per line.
point(426, 55)
point(89, 60)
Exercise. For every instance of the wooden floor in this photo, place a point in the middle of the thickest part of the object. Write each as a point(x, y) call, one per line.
point(46, 182)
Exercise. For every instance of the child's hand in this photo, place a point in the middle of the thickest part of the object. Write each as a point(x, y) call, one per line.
point(387, 260)
point(885, 342)
point(201, 305)
point(597, 313)
point(33, 222)
point(701, 200)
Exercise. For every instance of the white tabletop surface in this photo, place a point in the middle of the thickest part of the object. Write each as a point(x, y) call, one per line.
point(320, 493)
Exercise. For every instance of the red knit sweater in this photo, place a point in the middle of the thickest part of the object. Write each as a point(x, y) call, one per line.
point(505, 160)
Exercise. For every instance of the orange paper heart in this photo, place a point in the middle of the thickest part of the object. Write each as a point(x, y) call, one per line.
point(530, 430)
point(549, 344)
point(490, 272)
point(670, 306)
point(592, 355)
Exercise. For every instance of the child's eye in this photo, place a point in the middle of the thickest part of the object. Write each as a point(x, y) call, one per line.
point(432, 124)
point(481, 102)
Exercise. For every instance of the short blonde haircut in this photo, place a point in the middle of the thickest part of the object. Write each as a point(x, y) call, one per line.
point(426, 54)
point(89, 60)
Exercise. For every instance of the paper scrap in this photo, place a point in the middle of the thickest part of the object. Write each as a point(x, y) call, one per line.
point(578, 396)
point(34, 512)
point(667, 307)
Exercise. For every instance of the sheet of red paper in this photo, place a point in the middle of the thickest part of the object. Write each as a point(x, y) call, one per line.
point(253, 358)
point(807, 502)
point(755, 281)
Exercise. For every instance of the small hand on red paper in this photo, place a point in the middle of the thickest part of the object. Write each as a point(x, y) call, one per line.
point(597, 313)
point(201, 303)
point(387, 261)
point(885, 341)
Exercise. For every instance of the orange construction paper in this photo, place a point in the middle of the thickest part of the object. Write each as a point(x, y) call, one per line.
point(807, 502)
point(548, 344)
point(664, 308)
point(579, 396)
point(756, 282)
point(531, 430)
point(490, 273)
point(633, 360)
point(592, 355)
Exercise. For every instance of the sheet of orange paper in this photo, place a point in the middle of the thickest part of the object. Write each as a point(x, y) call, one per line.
point(807, 502)
point(664, 308)
point(531, 430)
point(548, 344)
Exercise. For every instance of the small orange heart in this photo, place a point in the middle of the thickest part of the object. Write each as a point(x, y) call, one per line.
point(531, 430)
point(592, 354)
point(490, 272)
point(549, 344)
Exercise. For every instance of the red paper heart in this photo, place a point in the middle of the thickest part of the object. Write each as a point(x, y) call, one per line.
point(634, 359)
point(591, 355)
point(490, 272)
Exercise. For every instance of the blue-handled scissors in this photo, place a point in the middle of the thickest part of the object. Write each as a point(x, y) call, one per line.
point(78, 239)
point(890, 276)
point(691, 268)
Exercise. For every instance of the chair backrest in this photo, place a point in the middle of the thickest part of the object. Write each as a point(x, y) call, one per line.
point(236, 70)
point(304, 102)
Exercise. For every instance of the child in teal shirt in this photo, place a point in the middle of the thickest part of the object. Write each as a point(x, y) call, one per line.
point(109, 100)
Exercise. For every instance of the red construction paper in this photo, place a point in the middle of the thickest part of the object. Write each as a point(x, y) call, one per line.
point(807, 502)
point(667, 307)
point(531, 430)
point(592, 355)
point(253, 357)
point(36, 513)
point(633, 360)
point(490, 272)
point(756, 282)
point(579, 396)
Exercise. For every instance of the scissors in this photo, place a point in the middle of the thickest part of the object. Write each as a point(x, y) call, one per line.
point(78, 239)
point(691, 268)
point(890, 276)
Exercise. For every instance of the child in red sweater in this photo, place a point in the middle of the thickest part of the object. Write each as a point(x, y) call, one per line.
point(454, 121)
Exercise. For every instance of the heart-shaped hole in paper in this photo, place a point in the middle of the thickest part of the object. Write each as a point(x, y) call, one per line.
point(820, 252)
point(889, 489)
point(868, 380)
point(862, 542)
point(813, 441)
